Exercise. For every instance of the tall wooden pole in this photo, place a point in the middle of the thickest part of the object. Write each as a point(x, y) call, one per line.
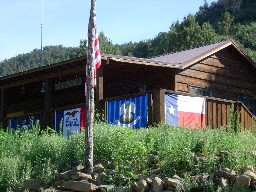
point(90, 90)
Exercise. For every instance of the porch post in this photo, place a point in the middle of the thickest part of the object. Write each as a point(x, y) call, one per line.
point(99, 89)
point(158, 106)
point(2, 108)
point(46, 116)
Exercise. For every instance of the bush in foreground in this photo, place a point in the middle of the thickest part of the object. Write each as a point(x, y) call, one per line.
point(185, 152)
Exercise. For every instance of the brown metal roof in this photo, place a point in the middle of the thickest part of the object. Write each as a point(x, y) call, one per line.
point(189, 57)
point(182, 59)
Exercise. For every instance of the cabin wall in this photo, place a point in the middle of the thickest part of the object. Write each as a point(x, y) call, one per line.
point(226, 73)
point(43, 93)
point(124, 78)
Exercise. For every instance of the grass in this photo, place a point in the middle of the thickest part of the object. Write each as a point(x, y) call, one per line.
point(28, 154)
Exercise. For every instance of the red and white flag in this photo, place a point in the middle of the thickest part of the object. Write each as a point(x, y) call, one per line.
point(96, 62)
point(97, 56)
point(185, 111)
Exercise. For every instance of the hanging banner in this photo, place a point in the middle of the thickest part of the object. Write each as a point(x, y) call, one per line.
point(185, 111)
point(131, 112)
point(23, 123)
point(70, 121)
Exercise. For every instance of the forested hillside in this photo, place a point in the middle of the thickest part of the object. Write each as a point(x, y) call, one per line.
point(220, 20)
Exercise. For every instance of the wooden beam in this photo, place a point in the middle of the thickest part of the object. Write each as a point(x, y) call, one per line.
point(159, 106)
point(43, 77)
point(46, 116)
point(99, 90)
point(2, 107)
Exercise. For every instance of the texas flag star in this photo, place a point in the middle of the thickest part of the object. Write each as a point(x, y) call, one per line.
point(171, 110)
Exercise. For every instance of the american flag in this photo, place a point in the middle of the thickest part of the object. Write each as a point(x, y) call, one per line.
point(97, 57)
point(97, 61)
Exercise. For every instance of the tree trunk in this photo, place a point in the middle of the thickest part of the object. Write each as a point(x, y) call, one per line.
point(90, 90)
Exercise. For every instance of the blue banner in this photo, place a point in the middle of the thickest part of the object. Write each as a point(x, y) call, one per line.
point(131, 112)
point(23, 123)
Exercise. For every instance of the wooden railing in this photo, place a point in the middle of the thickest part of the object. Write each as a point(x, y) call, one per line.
point(221, 112)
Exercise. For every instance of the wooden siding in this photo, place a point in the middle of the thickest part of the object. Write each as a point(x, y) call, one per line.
point(226, 73)
point(123, 78)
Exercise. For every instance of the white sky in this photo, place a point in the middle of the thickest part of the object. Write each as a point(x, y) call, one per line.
point(65, 21)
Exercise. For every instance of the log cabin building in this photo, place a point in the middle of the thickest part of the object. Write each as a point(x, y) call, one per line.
point(221, 71)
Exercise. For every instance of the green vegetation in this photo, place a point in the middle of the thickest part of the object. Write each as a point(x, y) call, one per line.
point(211, 23)
point(30, 154)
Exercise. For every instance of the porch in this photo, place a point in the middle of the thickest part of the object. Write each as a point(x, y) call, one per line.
point(218, 112)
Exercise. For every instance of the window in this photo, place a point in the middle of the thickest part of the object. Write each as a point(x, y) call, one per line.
point(200, 91)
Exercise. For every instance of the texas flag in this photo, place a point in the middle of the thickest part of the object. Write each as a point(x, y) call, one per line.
point(185, 111)
point(70, 121)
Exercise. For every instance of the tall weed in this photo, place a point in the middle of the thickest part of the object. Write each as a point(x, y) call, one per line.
point(34, 154)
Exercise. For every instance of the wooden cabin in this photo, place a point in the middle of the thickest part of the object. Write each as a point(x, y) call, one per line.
point(221, 71)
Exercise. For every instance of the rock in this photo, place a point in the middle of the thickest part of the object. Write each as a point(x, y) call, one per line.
point(142, 177)
point(76, 169)
point(211, 177)
point(98, 168)
point(80, 186)
point(219, 173)
point(122, 189)
point(251, 175)
point(203, 177)
point(176, 177)
point(149, 181)
point(253, 185)
point(81, 176)
point(134, 186)
point(106, 188)
point(94, 176)
point(100, 178)
point(50, 190)
point(57, 183)
point(247, 168)
point(242, 181)
point(172, 182)
point(226, 173)
point(158, 184)
point(229, 174)
point(140, 186)
point(222, 182)
point(64, 176)
point(33, 184)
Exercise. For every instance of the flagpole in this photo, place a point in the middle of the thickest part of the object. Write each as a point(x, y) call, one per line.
point(90, 67)
point(41, 52)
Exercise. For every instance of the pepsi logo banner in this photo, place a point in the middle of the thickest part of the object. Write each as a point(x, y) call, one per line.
point(185, 111)
point(70, 121)
point(131, 112)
